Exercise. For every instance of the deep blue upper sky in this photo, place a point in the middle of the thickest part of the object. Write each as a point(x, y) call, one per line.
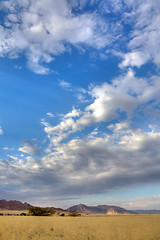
point(80, 102)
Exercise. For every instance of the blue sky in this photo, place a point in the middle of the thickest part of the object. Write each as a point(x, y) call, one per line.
point(80, 102)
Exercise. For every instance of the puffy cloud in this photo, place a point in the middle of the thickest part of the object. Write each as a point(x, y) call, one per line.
point(145, 38)
point(30, 147)
point(136, 58)
point(43, 30)
point(61, 131)
point(74, 113)
point(125, 94)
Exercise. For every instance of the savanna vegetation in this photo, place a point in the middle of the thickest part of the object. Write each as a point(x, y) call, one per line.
point(137, 227)
point(39, 211)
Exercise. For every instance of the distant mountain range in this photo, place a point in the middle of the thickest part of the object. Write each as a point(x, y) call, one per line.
point(142, 211)
point(105, 209)
point(81, 208)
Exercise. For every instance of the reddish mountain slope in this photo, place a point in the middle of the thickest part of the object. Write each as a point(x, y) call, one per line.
point(14, 205)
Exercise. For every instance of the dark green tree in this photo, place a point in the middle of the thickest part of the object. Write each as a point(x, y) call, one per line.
point(39, 211)
point(23, 214)
point(74, 214)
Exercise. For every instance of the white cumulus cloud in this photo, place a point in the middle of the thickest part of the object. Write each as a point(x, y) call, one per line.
point(144, 42)
point(125, 93)
point(43, 30)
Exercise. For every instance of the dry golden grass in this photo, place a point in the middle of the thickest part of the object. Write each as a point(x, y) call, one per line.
point(12, 211)
point(137, 227)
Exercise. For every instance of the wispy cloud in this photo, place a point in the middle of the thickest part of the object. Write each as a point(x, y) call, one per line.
point(8, 149)
point(50, 115)
point(146, 202)
point(144, 43)
point(65, 85)
point(79, 92)
point(45, 30)
point(1, 131)
point(30, 146)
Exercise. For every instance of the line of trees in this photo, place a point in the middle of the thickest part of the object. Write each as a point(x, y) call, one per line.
point(13, 214)
point(39, 211)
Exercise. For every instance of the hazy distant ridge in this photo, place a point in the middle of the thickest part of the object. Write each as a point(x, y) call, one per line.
point(152, 211)
point(105, 209)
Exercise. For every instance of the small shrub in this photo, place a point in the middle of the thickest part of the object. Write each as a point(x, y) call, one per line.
point(74, 214)
point(23, 214)
point(62, 214)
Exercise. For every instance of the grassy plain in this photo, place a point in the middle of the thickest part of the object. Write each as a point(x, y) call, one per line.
point(12, 212)
point(137, 227)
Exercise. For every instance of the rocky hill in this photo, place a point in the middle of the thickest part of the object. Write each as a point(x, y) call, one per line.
point(14, 205)
point(105, 209)
point(19, 206)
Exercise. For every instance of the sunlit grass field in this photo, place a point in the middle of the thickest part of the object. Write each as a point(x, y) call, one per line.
point(137, 227)
point(12, 212)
